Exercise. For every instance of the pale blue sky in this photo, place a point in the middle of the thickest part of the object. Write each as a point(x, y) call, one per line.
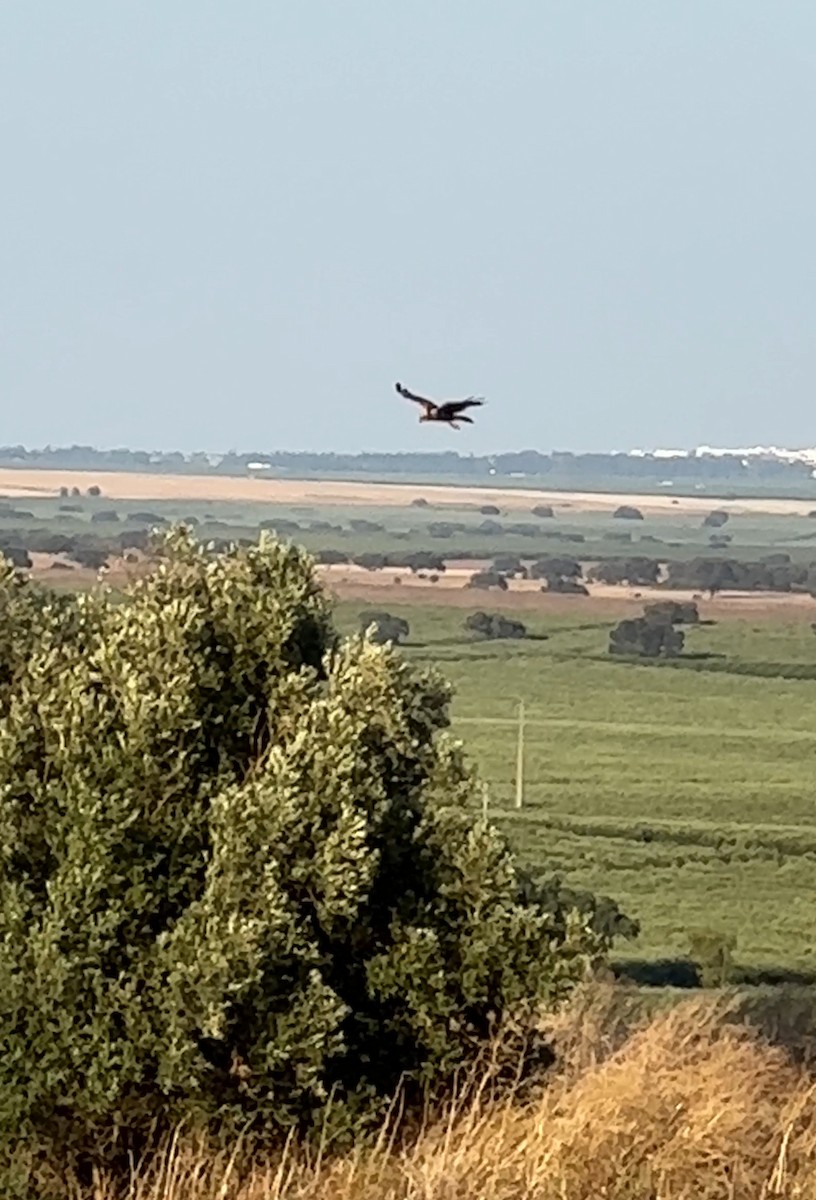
point(237, 224)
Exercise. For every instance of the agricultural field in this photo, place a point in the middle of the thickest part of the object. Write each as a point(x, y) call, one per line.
point(456, 522)
point(685, 792)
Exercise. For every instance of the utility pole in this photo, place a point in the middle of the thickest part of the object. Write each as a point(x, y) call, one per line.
point(520, 757)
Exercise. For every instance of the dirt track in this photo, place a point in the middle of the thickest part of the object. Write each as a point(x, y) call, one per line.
point(124, 486)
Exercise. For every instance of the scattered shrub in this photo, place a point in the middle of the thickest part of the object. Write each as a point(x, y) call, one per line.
point(92, 557)
point(151, 518)
point(637, 571)
point(509, 565)
point(716, 519)
point(494, 625)
point(332, 558)
point(489, 510)
point(487, 579)
point(105, 516)
point(555, 566)
point(627, 512)
point(565, 587)
point(676, 612)
point(370, 560)
point(490, 528)
point(93, 490)
point(386, 628)
point(361, 525)
point(642, 637)
point(543, 510)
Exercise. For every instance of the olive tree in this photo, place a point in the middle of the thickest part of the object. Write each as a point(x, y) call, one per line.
point(240, 881)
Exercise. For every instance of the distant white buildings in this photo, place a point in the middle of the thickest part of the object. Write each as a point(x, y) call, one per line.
point(745, 453)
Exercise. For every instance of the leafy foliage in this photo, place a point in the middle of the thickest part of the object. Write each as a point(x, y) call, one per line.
point(677, 612)
point(238, 876)
point(494, 625)
point(645, 637)
point(486, 580)
point(384, 627)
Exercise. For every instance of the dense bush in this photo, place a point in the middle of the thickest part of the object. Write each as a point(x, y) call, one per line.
point(486, 580)
point(644, 637)
point(560, 574)
point(489, 510)
point(543, 510)
point(445, 529)
point(718, 574)
point(494, 625)
point(361, 525)
point(716, 519)
point(635, 571)
point(93, 490)
point(370, 560)
point(105, 516)
point(509, 565)
point(282, 526)
point(418, 560)
point(565, 587)
point(332, 558)
point(676, 612)
point(150, 518)
point(555, 566)
point(240, 884)
point(523, 529)
point(93, 557)
point(627, 512)
point(383, 627)
point(490, 528)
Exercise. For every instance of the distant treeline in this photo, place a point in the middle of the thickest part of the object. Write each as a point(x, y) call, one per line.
point(561, 465)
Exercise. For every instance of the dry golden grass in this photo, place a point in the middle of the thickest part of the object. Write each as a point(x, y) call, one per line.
point(20, 483)
point(690, 1105)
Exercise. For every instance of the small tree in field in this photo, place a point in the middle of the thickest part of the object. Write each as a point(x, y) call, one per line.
point(384, 627)
point(240, 883)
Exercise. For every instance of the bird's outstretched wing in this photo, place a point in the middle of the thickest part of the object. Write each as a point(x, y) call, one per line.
point(451, 407)
point(403, 391)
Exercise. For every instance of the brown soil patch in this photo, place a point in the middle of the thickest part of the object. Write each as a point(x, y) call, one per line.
point(18, 484)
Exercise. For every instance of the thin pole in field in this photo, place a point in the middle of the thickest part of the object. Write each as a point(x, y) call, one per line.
point(520, 757)
point(485, 799)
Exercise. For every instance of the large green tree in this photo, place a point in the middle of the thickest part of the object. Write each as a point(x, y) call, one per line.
point(239, 873)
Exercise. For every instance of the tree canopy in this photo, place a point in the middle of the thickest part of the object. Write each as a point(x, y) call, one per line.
point(239, 871)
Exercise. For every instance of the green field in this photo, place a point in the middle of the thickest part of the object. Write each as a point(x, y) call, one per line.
point(683, 791)
point(686, 795)
point(587, 535)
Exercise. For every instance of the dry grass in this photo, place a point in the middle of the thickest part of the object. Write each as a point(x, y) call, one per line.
point(689, 1105)
point(20, 483)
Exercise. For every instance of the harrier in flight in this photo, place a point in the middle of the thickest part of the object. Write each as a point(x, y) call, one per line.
point(450, 412)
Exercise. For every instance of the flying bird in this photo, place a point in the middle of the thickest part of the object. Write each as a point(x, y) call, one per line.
point(449, 413)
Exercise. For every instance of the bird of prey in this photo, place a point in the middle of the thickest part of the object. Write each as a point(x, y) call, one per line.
point(449, 413)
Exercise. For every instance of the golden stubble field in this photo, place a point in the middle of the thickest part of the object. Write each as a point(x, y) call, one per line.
point(19, 484)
